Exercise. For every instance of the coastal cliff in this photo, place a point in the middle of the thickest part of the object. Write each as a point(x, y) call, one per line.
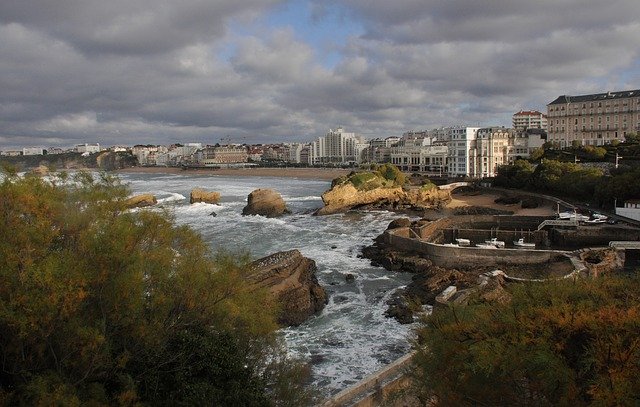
point(290, 278)
point(384, 188)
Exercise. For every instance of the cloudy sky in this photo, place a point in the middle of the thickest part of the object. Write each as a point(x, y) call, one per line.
point(162, 71)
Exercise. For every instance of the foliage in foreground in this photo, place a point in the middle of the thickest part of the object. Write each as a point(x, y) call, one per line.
point(102, 306)
point(558, 343)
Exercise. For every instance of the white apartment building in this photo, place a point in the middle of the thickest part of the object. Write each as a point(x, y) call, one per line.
point(338, 147)
point(529, 119)
point(594, 119)
point(87, 148)
point(461, 142)
point(33, 151)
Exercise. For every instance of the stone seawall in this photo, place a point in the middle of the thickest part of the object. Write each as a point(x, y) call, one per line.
point(375, 388)
point(451, 257)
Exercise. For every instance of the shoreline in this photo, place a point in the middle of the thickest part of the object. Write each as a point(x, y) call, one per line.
point(287, 172)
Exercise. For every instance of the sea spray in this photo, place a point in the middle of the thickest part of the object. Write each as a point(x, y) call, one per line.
point(351, 338)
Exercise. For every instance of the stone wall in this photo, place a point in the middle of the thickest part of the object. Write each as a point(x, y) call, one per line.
point(448, 256)
point(588, 236)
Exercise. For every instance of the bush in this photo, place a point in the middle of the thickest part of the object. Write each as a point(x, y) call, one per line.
point(99, 305)
point(557, 343)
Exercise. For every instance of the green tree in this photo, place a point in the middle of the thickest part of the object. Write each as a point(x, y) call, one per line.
point(557, 343)
point(516, 175)
point(632, 138)
point(99, 305)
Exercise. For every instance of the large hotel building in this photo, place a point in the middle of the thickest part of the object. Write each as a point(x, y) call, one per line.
point(593, 119)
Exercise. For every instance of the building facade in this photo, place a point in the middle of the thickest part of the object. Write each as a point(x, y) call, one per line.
point(337, 147)
point(595, 119)
point(529, 119)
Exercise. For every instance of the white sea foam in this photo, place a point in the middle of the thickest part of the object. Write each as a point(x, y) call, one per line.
point(173, 197)
point(351, 338)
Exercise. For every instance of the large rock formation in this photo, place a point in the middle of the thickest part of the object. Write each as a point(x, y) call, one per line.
point(265, 202)
point(376, 192)
point(290, 277)
point(141, 201)
point(200, 195)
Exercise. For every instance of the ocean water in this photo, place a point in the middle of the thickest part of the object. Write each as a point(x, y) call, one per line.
point(351, 338)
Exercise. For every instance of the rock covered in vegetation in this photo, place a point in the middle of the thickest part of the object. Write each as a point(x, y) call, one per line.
point(200, 195)
point(265, 202)
point(384, 189)
point(141, 201)
point(290, 278)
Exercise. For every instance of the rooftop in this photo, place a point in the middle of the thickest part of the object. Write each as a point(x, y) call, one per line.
point(595, 97)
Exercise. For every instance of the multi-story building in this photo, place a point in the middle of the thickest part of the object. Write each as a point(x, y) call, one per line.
point(87, 148)
point(379, 150)
point(529, 119)
point(491, 149)
point(229, 154)
point(593, 119)
point(420, 154)
point(33, 151)
point(461, 157)
point(338, 147)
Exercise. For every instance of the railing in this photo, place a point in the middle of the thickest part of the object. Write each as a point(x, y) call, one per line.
point(556, 222)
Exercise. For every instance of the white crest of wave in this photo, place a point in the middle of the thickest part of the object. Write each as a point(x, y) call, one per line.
point(173, 197)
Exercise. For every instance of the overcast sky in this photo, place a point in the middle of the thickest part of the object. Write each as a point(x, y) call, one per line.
point(164, 71)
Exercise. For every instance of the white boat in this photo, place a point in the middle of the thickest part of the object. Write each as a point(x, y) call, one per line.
point(464, 242)
point(494, 241)
point(521, 243)
point(572, 216)
point(451, 245)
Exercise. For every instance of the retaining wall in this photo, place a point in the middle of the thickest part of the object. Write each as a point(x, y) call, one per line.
point(448, 256)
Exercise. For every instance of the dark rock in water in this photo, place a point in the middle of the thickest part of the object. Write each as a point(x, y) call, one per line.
point(334, 247)
point(290, 278)
point(399, 309)
point(213, 214)
point(349, 278)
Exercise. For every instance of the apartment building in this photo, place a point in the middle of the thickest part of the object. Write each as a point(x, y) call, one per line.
point(529, 119)
point(338, 147)
point(595, 119)
point(420, 154)
point(461, 159)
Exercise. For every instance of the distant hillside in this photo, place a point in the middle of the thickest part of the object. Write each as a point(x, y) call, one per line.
point(107, 161)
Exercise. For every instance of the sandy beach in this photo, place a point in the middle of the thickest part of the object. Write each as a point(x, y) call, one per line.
point(306, 173)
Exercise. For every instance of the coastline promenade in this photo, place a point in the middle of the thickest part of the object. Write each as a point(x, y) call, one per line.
point(289, 172)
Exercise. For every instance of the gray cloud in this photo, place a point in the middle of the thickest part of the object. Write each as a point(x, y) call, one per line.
point(123, 72)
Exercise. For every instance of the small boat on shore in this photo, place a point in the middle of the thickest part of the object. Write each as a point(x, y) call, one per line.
point(494, 241)
point(520, 243)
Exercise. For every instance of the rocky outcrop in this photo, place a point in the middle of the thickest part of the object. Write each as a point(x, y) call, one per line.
point(141, 201)
point(265, 202)
point(290, 278)
point(200, 195)
point(40, 171)
point(345, 196)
